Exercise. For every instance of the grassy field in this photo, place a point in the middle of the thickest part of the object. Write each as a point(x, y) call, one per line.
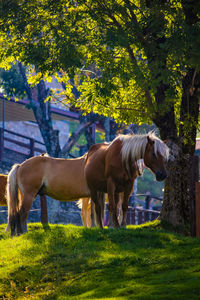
point(69, 262)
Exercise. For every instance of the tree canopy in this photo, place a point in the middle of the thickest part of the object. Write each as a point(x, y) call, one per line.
point(130, 56)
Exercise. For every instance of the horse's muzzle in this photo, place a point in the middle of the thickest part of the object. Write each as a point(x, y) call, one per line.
point(161, 175)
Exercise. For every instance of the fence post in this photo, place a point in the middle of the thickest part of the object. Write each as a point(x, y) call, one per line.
point(32, 142)
point(194, 177)
point(1, 143)
point(133, 216)
point(197, 209)
point(140, 217)
point(147, 201)
point(43, 205)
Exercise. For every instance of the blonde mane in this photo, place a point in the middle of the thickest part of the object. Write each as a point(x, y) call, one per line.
point(133, 146)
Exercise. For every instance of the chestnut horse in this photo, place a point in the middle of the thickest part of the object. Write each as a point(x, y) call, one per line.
point(85, 203)
point(61, 179)
point(112, 168)
point(3, 183)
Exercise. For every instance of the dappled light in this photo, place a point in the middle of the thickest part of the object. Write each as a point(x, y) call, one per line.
point(78, 262)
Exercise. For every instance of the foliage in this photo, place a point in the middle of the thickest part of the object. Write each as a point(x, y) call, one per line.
point(11, 83)
point(121, 51)
point(69, 262)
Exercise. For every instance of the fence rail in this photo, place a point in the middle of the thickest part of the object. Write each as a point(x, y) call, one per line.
point(26, 146)
point(137, 216)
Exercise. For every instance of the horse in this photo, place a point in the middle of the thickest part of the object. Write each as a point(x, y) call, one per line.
point(86, 210)
point(85, 203)
point(112, 168)
point(59, 178)
point(3, 183)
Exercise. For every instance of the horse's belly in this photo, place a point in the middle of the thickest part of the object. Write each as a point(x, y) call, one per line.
point(68, 186)
point(67, 194)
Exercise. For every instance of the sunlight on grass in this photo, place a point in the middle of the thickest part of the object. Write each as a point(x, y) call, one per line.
point(71, 262)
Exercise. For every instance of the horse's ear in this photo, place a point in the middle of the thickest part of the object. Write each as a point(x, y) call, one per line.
point(150, 141)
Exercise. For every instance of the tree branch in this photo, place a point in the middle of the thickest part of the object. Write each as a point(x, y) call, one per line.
point(73, 138)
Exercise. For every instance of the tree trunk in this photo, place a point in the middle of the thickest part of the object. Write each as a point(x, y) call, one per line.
point(175, 208)
point(43, 117)
point(42, 113)
point(179, 194)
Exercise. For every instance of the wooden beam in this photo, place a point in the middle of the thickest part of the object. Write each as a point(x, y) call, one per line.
point(1, 143)
point(197, 209)
point(193, 178)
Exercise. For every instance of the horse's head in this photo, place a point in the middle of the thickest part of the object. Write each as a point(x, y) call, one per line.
point(155, 157)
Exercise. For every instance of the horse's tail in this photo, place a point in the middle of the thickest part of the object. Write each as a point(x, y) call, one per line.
point(12, 195)
point(83, 202)
point(79, 203)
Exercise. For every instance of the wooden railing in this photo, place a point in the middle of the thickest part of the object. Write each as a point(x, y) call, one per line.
point(137, 216)
point(27, 147)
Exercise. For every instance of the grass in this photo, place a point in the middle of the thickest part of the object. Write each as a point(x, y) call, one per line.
point(70, 262)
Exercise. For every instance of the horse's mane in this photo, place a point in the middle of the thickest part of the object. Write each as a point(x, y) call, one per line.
point(134, 145)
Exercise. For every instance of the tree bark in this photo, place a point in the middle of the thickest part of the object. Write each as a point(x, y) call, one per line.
point(175, 208)
point(42, 113)
point(179, 185)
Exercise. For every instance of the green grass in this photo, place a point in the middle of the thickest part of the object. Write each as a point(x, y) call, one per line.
point(69, 262)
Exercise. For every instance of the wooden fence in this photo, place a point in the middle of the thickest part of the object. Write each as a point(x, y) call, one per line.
point(137, 216)
point(19, 144)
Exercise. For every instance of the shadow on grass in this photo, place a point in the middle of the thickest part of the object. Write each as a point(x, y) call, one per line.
point(74, 262)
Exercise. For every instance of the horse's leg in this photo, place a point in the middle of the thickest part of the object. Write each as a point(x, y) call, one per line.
point(84, 211)
point(112, 207)
point(119, 207)
point(25, 207)
point(127, 193)
point(89, 211)
point(95, 199)
point(93, 217)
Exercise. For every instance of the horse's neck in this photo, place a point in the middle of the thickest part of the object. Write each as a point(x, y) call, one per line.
point(132, 168)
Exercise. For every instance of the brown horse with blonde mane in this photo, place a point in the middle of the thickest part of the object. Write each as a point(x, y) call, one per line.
point(85, 203)
point(112, 168)
point(61, 179)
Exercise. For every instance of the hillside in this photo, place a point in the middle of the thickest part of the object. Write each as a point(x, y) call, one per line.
point(69, 262)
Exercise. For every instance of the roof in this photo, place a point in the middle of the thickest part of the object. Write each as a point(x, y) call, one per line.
point(12, 110)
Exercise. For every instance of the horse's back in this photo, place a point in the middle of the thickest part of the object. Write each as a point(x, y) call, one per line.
point(105, 153)
point(32, 170)
point(66, 177)
point(61, 179)
point(3, 183)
